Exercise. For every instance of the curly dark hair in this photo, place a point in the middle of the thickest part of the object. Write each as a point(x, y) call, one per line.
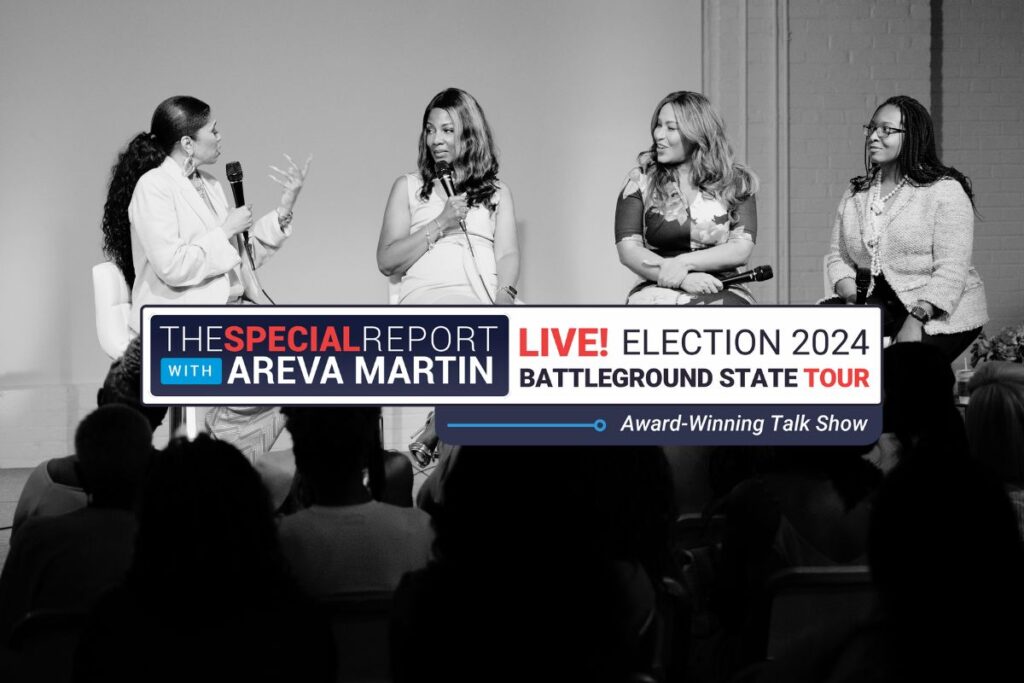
point(173, 119)
point(476, 163)
point(918, 159)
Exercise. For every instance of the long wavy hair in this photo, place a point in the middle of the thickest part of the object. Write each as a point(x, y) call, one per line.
point(476, 159)
point(173, 119)
point(918, 158)
point(713, 169)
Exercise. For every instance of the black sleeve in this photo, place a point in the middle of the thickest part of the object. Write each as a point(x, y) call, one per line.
point(629, 216)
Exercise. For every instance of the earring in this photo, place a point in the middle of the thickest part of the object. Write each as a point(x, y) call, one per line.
point(189, 166)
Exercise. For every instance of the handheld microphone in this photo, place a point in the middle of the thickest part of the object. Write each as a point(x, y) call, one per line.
point(863, 281)
point(443, 171)
point(234, 172)
point(757, 274)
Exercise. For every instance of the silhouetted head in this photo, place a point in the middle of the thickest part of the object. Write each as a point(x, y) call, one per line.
point(333, 446)
point(947, 560)
point(206, 528)
point(995, 419)
point(114, 445)
point(123, 384)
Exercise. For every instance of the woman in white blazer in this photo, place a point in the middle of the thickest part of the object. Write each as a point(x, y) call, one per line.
point(170, 229)
point(168, 225)
point(909, 222)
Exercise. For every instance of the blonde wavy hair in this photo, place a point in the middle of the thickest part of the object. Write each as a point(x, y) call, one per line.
point(713, 168)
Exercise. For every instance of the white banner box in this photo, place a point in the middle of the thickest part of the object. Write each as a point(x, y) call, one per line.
point(516, 355)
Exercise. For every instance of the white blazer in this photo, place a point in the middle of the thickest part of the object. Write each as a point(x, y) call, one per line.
point(181, 255)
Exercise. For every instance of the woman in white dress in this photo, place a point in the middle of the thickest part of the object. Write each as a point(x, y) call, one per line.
point(451, 250)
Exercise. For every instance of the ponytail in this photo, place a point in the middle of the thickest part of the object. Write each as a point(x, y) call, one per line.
point(142, 154)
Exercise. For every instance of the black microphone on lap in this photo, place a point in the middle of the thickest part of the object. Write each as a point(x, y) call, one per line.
point(443, 171)
point(757, 274)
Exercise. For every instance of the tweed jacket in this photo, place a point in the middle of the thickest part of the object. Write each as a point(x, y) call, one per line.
point(926, 238)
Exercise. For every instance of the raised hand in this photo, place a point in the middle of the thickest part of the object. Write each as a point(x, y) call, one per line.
point(291, 180)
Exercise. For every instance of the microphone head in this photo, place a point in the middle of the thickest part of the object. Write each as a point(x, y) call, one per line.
point(762, 273)
point(234, 171)
point(443, 171)
point(442, 168)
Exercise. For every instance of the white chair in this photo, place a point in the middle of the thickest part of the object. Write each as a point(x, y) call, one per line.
point(829, 290)
point(112, 301)
point(394, 285)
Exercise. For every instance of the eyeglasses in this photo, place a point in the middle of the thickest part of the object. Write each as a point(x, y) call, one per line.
point(883, 130)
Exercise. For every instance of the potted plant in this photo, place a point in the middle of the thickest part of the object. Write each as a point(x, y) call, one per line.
point(1008, 345)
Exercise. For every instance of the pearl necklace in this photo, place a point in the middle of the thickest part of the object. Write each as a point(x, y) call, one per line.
point(876, 206)
point(878, 203)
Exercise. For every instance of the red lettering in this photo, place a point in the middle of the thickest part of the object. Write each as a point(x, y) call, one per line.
point(587, 341)
point(293, 344)
point(583, 341)
point(253, 336)
point(276, 338)
point(233, 333)
point(349, 346)
point(563, 347)
point(841, 377)
point(523, 350)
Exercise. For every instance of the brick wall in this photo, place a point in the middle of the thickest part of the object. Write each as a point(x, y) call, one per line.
point(983, 136)
point(844, 58)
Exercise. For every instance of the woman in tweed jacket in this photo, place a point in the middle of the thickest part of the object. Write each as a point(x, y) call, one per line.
point(909, 220)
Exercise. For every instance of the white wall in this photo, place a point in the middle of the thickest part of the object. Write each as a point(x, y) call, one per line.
point(568, 87)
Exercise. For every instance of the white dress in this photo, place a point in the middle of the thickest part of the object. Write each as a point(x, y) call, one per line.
point(449, 271)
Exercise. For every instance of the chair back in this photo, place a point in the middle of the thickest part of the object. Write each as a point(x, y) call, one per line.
point(361, 626)
point(43, 645)
point(394, 287)
point(112, 301)
point(804, 600)
point(696, 530)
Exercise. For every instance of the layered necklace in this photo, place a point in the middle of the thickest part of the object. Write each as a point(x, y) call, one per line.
point(876, 207)
point(878, 202)
point(197, 182)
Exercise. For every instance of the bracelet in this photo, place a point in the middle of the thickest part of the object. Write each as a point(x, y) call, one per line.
point(284, 220)
point(426, 233)
point(511, 291)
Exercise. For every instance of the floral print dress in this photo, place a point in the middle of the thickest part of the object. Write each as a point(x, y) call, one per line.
point(671, 227)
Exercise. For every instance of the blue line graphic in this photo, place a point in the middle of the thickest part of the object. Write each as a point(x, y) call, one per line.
point(597, 425)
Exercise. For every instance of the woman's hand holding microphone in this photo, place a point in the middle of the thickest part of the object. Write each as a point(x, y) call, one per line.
point(239, 220)
point(453, 213)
